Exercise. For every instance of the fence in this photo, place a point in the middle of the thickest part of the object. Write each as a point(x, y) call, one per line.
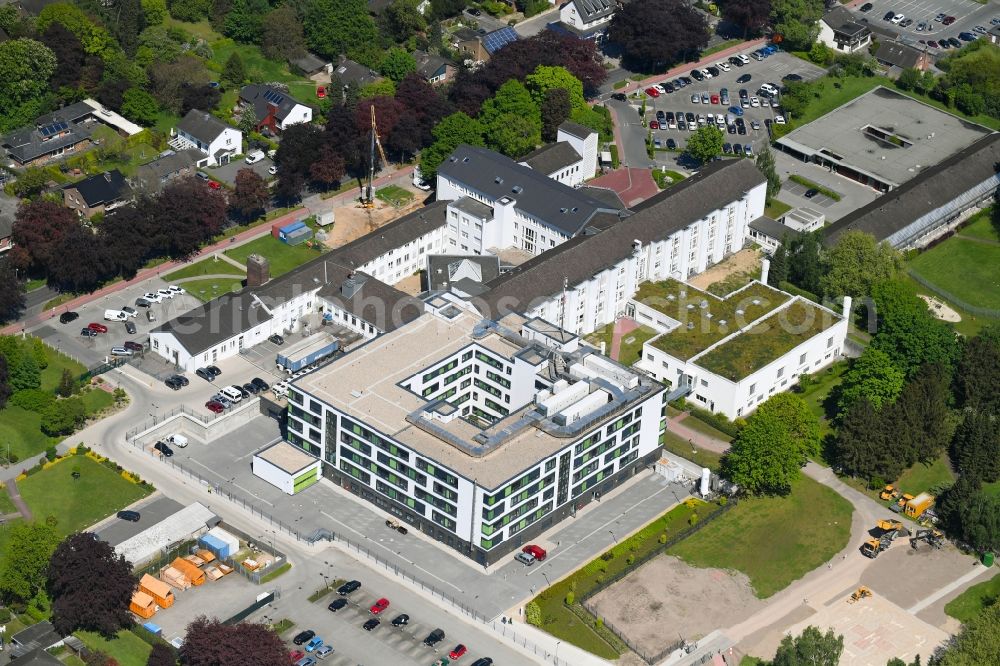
point(252, 608)
point(947, 295)
point(507, 631)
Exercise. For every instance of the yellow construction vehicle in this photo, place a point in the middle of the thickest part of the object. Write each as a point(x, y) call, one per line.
point(900, 503)
point(933, 537)
point(859, 594)
point(916, 506)
point(890, 525)
point(889, 493)
point(368, 196)
point(887, 530)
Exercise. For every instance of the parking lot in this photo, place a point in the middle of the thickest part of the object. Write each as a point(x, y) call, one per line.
point(967, 13)
point(853, 195)
point(226, 173)
point(770, 70)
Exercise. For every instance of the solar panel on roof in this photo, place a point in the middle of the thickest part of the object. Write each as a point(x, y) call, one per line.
point(53, 129)
point(498, 39)
point(273, 97)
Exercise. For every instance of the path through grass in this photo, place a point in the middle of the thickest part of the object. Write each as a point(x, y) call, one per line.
point(282, 257)
point(209, 266)
point(970, 603)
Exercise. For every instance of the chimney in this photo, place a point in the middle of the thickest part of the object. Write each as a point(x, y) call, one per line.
point(258, 270)
point(765, 268)
point(848, 301)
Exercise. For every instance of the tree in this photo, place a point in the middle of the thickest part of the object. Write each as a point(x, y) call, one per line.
point(335, 27)
point(155, 11)
point(977, 380)
point(23, 372)
point(797, 97)
point(921, 417)
point(25, 559)
point(234, 71)
point(705, 143)
point(282, 36)
point(769, 452)
point(975, 446)
point(864, 448)
point(910, 79)
point(555, 109)
point(244, 22)
point(127, 21)
point(513, 135)
point(640, 28)
point(872, 376)
point(971, 514)
point(63, 417)
point(908, 332)
point(765, 162)
point(857, 262)
point(819, 53)
point(38, 227)
point(328, 169)
point(69, 54)
point(250, 194)
point(778, 272)
point(78, 261)
point(397, 63)
point(95, 39)
point(187, 214)
point(211, 643)
point(796, 21)
point(810, 648)
point(11, 291)
point(299, 148)
point(804, 267)
point(977, 643)
point(90, 586)
point(451, 132)
point(750, 15)
point(5, 389)
point(403, 19)
point(161, 655)
point(546, 78)
point(25, 68)
point(67, 384)
point(191, 11)
point(202, 96)
point(248, 121)
point(168, 81)
point(139, 106)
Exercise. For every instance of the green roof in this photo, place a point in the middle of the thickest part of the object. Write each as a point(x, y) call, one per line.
point(699, 331)
point(769, 340)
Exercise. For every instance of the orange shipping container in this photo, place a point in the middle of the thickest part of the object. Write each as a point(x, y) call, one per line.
point(190, 571)
point(160, 591)
point(142, 605)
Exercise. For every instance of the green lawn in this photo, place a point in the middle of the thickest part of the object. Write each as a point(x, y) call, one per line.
point(722, 46)
point(210, 266)
point(992, 488)
point(21, 430)
point(969, 326)
point(817, 394)
point(257, 66)
point(679, 446)
point(978, 283)
point(394, 195)
point(57, 362)
point(776, 209)
point(209, 288)
point(774, 540)
point(630, 352)
point(920, 477)
point(694, 423)
point(202, 29)
point(79, 503)
point(283, 257)
point(970, 603)
point(6, 503)
point(982, 227)
point(96, 400)
point(127, 648)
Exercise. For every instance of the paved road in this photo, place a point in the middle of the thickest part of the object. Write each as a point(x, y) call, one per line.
point(534, 25)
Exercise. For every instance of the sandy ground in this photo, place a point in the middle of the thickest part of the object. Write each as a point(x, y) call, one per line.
point(940, 309)
point(353, 222)
point(666, 600)
point(411, 284)
point(744, 260)
point(905, 576)
point(514, 256)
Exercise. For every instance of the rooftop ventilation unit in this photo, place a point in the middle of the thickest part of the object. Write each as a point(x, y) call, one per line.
point(739, 312)
point(703, 304)
point(756, 301)
point(690, 326)
point(722, 322)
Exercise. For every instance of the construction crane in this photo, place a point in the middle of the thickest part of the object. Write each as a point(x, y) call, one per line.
point(368, 198)
point(931, 536)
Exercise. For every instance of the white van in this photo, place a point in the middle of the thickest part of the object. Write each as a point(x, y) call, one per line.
point(177, 440)
point(254, 156)
point(232, 394)
point(115, 315)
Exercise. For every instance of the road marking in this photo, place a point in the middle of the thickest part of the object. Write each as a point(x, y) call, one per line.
point(224, 480)
point(950, 587)
point(381, 545)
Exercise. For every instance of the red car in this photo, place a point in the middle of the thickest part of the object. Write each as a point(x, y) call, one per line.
point(100, 328)
point(214, 184)
point(321, 92)
point(948, 20)
point(537, 551)
point(379, 606)
point(457, 652)
point(652, 92)
point(653, 124)
point(295, 655)
point(215, 406)
point(715, 99)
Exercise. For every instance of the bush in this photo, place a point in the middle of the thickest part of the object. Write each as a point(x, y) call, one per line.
point(62, 417)
point(608, 556)
point(663, 538)
point(630, 560)
point(570, 598)
point(33, 400)
point(5, 615)
point(693, 519)
point(533, 613)
point(51, 453)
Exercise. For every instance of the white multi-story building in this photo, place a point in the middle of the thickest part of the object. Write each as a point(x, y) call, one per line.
point(588, 19)
point(480, 434)
point(733, 353)
point(214, 139)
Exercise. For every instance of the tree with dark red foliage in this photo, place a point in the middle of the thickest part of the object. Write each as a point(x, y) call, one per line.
point(750, 15)
point(298, 149)
point(555, 109)
point(112, 92)
point(655, 34)
point(90, 586)
point(250, 195)
point(77, 262)
point(39, 226)
point(580, 56)
point(343, 136)
point(128, 237)
point(328, 170)
point(161, 655)
point(424, 108)
point(69, 54)
point(191, 212)
point(199, 97)
point(11, 292)
point(387, 114)
point(211, 643)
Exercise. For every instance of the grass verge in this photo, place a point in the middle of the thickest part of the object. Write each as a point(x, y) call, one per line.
point(126, 648)
point(665, 179)
point(680, 447)
point(21, 430)
point(281, 256)
point(209, 266)
point(694, 423)
point(774, 540)
point(776, 209)
point(978, 283)
point(209, 288)
point(922, 477)
point(722, 46)
point(277, 572)
point(970, 603)
point(805, 182)
point(394, 195)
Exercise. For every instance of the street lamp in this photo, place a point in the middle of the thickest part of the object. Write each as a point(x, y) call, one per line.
point(612, 536)
point(546, 579)
point(557, 651)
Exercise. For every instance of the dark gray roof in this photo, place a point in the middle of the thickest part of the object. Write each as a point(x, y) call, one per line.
point(608, 196)
point(442, 269)
point(152, 174)
point(30, 142)
point(838, 16)
point(202, 125)
point(429, 64)
point(929, 190)
point(35, 7)
point(102, 189)
point(580, 258)
point(72, 113)
point(308, 63)
point(576, 129)
point(473, 207)
point(6, 227)
point(378, 303)
point(773, 228)
point(552, 157)
point(41, 635)
point(464, 34)
point(261, 97)
point(898, 55)
point(535, 194)
point(592, 10)
point(349, 72)
point(36, 657)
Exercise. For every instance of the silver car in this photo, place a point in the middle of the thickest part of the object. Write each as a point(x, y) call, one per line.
point(525, 558)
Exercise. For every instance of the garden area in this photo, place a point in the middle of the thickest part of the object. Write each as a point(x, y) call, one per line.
point(71, 502)
point(631, 344)
point(207, 289)
point(209, 266)
point(126, 648)
point(681, 447)
point(774, 540)
point(282, 257)
point(557, 611)
point(971, 603)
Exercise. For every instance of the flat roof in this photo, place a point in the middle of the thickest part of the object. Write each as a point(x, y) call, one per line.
point(151, 513)
point(858, 133)
point(167, 532)
point(289, 459)
point(705, 319)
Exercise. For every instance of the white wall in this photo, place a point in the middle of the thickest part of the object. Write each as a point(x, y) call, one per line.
point(300, 113)
point(273, 475)
point(569, 16)
point(587, 148)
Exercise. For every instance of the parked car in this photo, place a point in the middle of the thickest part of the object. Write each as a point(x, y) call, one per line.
point(68, 316)
point(215, 406)
point(315, 643)
point(434, 638)
point(324, 651)
point(259, 383)
point(457, 652)
point(865, 8)
point(620, 97)
point(305, 661)
point(379, 606)
point(371, 624)
point(164, 449)
point(214, 370)
point(173, 383)
point(152, 297)
point(888, 16)
point(527, 559)
point(142, 302)
point(120, 351)
point(277, 339)
point(303, 637)
point(401, 620)
point(176, 290)
point(337, 604)
point(204, 374)
point(295, 655)
point(671, 144)
point(254, 156)
point(349, 587)
point(948, 20)
point(537, 551)
point(131, 516)
point(88, 333)
point(652, 92)
point(483, 661)
point(811, 192)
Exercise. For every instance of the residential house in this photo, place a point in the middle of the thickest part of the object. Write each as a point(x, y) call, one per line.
point(96, 194)
point(52, 136)
point(839, 31)
point(215, 140)
point(901, 56)
point(434, 68)
point(40, 636)
point(6, 230)
point(469, 43)
point(496, 40)
point(350, 74)
point(309, 64)
point(37, 657)
point(151, 177)
point(587, 19)
point(274, 109)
